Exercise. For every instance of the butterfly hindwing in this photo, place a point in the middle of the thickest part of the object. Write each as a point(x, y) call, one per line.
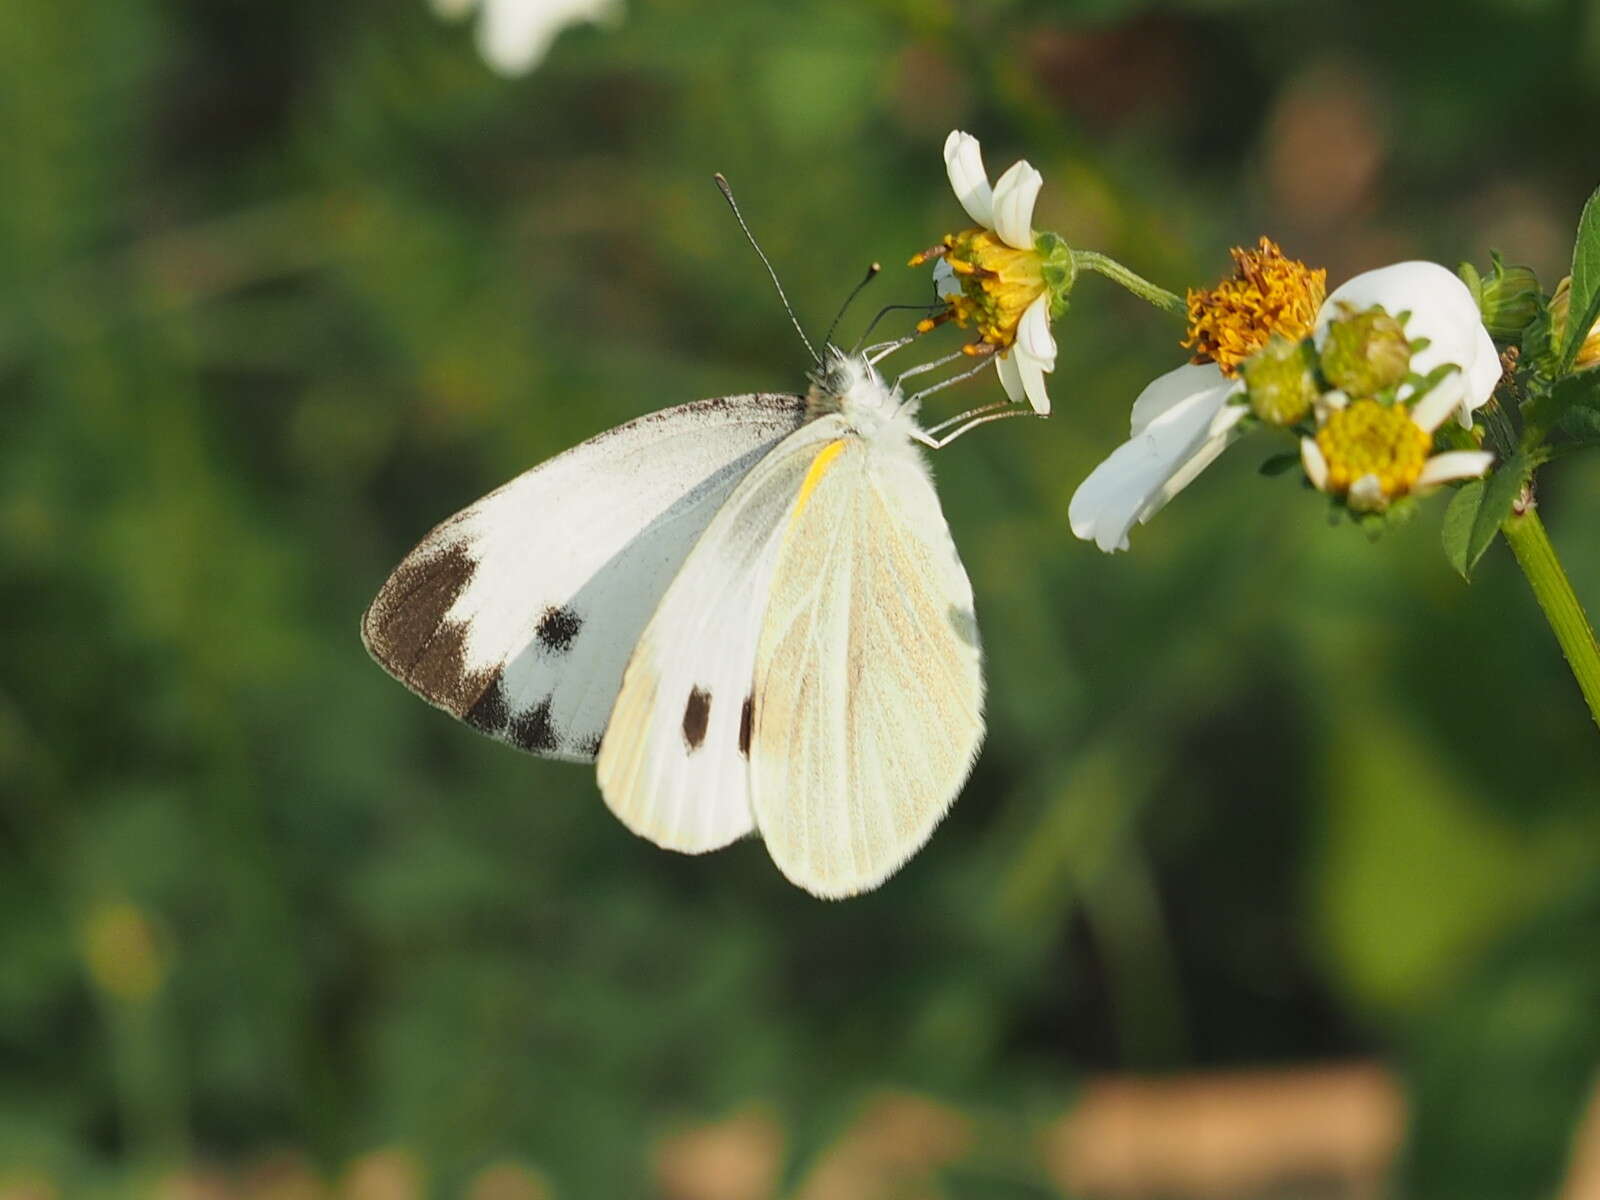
point(868, 692)
point(519, 613)
point(674, 765)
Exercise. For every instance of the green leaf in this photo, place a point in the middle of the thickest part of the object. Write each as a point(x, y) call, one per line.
point(1500, 492)
point(1581, 424)
point(1278, 464)
point(1585, 305)
point(1554, 408)
point(1476, 511)
point(1458, 522)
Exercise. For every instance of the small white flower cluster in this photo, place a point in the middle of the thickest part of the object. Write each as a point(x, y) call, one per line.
point(1187, 417)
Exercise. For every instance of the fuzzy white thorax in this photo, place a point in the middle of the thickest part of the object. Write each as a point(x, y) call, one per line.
point(849, 385)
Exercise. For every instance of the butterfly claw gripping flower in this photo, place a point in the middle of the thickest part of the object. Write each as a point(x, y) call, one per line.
point(999, 277)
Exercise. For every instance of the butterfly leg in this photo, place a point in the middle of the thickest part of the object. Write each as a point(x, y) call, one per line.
point(877, 353)
point(932, 365)
point(984, 361)
point(934, 431)
point(980, 416)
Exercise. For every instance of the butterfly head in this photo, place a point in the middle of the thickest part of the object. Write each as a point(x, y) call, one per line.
point(848, 384)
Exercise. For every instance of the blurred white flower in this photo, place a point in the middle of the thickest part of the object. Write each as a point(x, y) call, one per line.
point(994, 276)
point(514, 35)
point(1442, 311)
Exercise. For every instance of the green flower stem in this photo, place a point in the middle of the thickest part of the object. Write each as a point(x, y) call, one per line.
point(1092, 260)
point(1537, 557)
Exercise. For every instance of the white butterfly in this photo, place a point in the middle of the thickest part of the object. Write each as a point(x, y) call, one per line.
point(747, 610)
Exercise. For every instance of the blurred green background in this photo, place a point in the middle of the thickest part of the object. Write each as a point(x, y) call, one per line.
point(282, 285)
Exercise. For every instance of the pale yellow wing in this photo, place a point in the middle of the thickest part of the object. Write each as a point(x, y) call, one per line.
point(867, 710)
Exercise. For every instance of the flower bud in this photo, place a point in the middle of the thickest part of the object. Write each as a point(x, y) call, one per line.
point(1365, 352)
point(1281, 380)
point(1508, 297)
point(1560, 312)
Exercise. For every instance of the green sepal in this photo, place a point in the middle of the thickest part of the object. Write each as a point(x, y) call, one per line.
point(1277, 464)
point(1058, 269)
point(1507, 298)
point(1375, 524)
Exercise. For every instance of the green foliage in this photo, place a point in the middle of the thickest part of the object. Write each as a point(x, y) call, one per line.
point(1585, 303)
point(281, 286)
point(1477, 510)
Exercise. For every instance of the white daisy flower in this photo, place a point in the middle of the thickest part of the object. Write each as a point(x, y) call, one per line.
point(1442, 311)
point(515, 35)
point(1373, 453)
point(993, 276)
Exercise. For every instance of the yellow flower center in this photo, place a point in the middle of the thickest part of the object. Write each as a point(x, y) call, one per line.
point(1269, 293)
point(998, 283)
point(1381, 440)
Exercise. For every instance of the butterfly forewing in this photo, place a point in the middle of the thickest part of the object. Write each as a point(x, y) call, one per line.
point(868, 690)
point(519, 613)
point(674, 765)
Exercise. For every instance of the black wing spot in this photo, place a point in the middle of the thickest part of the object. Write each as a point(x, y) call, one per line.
point(747, 720)
point(557, 628)
point(592, 746)
point(490, 713)
point(533, 731)
point(696, 715)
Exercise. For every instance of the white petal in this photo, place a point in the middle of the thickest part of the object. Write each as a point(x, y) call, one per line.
point(945, 281)
point(1429, 412)
point(1149, 469)
point(1168, 391)
point(1442, 310)
point(1329, 403)
point(963, 162)
point(1032, 374)
point(1454, 464)
point(1482, 377)
point(1366, 495)
point(1014, 195)
point(1316, 466)
point(1005, 366)
point(1033, 333)
point(1218, 436)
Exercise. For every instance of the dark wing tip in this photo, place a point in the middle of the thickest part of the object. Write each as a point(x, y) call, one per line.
point(406, 631)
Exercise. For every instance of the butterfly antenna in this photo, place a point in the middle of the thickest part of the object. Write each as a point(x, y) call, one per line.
point(727, 194)
point(872, 273)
